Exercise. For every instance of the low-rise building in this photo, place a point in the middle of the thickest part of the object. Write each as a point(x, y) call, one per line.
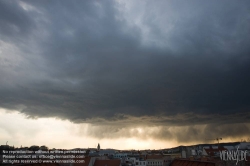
point(107, 163)
point(120, 155)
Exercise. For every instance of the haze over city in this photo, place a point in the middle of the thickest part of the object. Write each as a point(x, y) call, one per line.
point(126, 74)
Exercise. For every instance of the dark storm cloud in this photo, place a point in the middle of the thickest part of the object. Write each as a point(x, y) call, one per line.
point(13, 20)
point(83, 60)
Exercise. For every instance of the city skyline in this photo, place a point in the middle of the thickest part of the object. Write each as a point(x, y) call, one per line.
point(124, 73)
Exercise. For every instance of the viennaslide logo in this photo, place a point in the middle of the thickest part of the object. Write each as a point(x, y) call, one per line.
point(234, 155)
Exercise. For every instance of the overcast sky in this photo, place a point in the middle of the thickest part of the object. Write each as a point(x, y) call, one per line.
point(161, 71)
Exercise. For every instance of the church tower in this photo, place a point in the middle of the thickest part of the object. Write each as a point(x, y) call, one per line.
point(98, 147)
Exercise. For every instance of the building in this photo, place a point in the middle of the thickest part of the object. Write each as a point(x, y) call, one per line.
point(120, 155)
point(107, 152)
point(107, 163)
point(98, 147)
point(213, 152)
point(154, 160)
point(185, 162)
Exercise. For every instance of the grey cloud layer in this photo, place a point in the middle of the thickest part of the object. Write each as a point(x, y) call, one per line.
point(180, 134)
point(83, 60)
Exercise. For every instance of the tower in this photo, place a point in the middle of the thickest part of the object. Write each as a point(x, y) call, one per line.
point(98, 147)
